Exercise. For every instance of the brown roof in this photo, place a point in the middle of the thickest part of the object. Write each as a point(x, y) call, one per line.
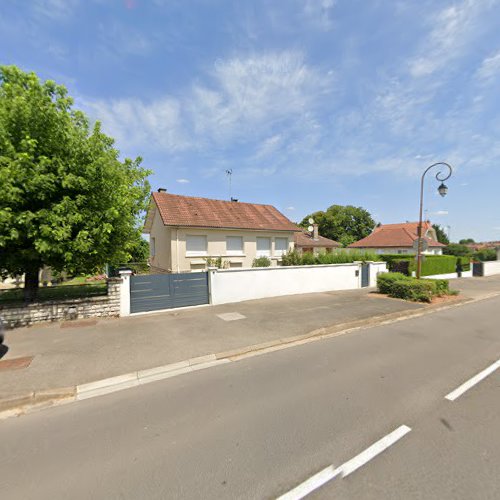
point(176, 210)
point(305, 239)
point(395, 235)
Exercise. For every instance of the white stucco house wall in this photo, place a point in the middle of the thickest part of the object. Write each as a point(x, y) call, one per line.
point(185, 231)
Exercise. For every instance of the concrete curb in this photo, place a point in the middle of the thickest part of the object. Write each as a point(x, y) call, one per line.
point(27, 403)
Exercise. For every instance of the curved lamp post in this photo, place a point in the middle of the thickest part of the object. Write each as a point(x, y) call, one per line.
point(442, 190)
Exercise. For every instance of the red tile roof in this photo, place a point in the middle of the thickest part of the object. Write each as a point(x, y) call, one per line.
point(177, 210)
point(395, 235)
point(304, 239)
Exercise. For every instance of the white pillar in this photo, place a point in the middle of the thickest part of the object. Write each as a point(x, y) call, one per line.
point(212, 271)
point(125, 292)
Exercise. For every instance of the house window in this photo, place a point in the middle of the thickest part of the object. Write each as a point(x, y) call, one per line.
point(280, 246)
point(152, 247)
point(263, 247)
point(234, 245)
point(196, 245)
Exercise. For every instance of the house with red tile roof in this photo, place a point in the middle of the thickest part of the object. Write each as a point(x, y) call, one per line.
point(400, 238)
point(313, 242)
point(185, 232)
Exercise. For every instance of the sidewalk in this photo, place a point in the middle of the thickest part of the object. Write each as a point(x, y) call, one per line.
point(72, 353)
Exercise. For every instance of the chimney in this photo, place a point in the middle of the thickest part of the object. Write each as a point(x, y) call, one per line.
point(162, 190)
point(315, 232)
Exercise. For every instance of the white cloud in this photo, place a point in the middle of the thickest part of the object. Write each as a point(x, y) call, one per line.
point(290, 208)
point(134, 124)
point(55, 9)
point(244, 100)
point(441, 212)
point(319, 12)
point(183, 181)
point(489, 69)
point(452, 29)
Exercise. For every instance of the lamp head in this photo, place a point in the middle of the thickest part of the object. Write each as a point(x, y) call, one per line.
point(443, 189)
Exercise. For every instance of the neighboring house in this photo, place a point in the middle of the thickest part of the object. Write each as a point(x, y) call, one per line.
point(312, 242)
point(185, 231)
point(400, 239)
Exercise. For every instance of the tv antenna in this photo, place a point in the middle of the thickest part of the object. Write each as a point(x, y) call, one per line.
point(229, 173)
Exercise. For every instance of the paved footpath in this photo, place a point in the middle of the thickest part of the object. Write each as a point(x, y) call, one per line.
point(68, 354)
point(375, 412)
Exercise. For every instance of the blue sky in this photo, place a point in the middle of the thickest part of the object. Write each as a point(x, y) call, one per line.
point(309, 102)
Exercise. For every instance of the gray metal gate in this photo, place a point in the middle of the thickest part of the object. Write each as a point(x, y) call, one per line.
point(477, 269)
point(365, 275)
point(166, 291)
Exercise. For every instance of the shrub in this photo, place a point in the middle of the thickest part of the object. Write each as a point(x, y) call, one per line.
point(463, 264)
point(308, 259)
point(217, 262)
point(261, 262)
point(431, 264)
point(485, 255)
point(292, 258)
point(442, 287)
point(413, 289)
point(386, 280)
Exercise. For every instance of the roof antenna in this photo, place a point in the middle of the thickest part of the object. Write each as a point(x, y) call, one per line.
point(229, 173)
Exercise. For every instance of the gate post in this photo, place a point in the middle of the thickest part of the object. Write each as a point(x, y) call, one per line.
point(125, 292)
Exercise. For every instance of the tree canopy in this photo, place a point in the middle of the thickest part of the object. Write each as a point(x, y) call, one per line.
point(466, 241)
point(66, 200)
point(441, 235)
point(345, 224)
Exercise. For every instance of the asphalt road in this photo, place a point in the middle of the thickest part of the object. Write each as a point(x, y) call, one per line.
point(262, 426)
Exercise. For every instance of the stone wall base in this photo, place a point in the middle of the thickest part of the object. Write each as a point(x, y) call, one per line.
point(91, 307)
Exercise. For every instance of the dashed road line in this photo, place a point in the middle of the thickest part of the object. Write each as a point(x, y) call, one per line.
point(330, 472)
point(452, 396)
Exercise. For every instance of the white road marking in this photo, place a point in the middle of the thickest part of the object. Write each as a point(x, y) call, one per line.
point(374, 450)
point(313, 483)
point(472, 382)
point(330, 472)
point(232, 316)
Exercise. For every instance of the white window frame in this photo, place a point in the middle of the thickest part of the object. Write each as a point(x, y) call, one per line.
point(234, 252)
point(199, 252)
point(266, 252)
point(152, 246)
point(279, 252)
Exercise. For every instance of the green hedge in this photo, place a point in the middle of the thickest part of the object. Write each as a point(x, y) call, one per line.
point(399, 286)
point(431, 264)
point(295, 258)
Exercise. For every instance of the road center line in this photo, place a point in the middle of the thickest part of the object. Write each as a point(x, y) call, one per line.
point(311, 484)
point(329, 473)
point(472, 382)
point(374, 450)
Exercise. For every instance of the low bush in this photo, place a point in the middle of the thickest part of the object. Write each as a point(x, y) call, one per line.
point(413, 289)
point(442, 287)
point(261, 262)
point(399, 286)
point(386, 280)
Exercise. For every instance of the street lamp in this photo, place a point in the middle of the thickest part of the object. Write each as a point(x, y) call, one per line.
point(442, 190)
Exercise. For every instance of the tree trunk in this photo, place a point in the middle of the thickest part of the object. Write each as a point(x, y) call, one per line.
point(31, 280)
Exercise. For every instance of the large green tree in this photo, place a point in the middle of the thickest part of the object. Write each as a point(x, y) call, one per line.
point(66, 199)
point(345, 224)
point(441, 234)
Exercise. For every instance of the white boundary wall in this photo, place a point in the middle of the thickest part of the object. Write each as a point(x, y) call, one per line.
point(376, 268)
point(491, 267)
point(235, 285)
point(465, 274)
